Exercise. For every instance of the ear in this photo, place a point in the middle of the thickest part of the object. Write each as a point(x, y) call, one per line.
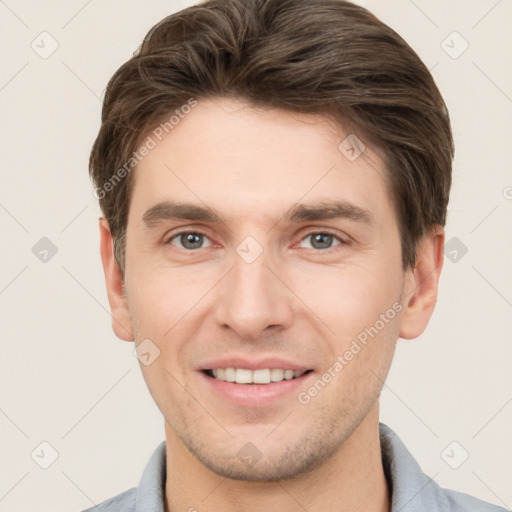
point(121, 322)
point(421, 283)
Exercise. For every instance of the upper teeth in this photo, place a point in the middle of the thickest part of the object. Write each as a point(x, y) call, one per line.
point(265, 376)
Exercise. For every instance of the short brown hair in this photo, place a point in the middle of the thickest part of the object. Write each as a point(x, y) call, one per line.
point(327, 57)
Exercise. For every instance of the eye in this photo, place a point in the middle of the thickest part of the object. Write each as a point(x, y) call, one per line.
point(322, 240)
point(189, 240)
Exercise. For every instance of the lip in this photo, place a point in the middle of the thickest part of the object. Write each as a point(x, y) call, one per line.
point(255, 395)
point(253, 364)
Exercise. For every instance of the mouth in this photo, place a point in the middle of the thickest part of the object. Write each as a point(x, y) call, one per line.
point(255, 382)
point(263, 376)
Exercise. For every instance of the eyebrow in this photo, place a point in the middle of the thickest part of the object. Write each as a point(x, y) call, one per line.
point(168, 210)
point(323, 210)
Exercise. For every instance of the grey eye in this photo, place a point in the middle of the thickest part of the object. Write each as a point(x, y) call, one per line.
point(322, 240)
point(189, 240)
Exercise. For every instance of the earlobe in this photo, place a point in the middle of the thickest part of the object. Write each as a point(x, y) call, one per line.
point(121, 323)
point(421, 285)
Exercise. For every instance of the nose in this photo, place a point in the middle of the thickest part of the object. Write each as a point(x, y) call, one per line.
point(252, 298)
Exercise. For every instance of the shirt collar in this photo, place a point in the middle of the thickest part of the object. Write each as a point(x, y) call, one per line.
point(411, 490)
point(151, 488)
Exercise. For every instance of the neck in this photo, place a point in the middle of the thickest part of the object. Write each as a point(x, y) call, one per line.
point(352, 479)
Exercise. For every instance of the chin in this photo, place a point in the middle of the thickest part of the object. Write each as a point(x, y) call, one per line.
point(270, 464)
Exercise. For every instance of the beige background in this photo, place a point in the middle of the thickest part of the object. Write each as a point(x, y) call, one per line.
point(65, 379)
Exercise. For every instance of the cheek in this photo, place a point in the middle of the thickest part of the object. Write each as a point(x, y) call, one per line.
point(168, 306)
point(349, 299)
point(161, 297)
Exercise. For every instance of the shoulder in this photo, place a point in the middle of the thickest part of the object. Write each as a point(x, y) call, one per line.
point(460, 502)
point(148, 495)
point(414, 491)
point(123, 502)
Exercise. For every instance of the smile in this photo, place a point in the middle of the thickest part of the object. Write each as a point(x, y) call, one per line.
point(260, 376)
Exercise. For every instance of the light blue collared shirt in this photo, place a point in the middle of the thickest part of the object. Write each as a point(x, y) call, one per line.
point(411, 490)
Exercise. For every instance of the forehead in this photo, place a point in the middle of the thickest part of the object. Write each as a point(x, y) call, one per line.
point(243, 161)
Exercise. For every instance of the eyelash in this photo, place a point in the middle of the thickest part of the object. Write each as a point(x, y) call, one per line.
point(321, 232)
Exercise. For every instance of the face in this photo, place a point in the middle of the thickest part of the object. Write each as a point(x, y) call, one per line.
point(257, 251)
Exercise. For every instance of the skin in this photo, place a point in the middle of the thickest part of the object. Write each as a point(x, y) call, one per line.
point(299, 300)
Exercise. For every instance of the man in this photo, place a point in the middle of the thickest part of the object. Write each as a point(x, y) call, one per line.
point(274, 176)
